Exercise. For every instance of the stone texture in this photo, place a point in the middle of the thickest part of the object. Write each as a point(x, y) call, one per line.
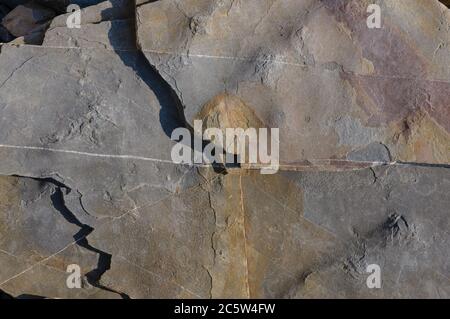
point(107, 25)
point(25, 19)
point(113, 35)
point(104, 11)
point(100, 89)
point(313, 69)
point(87, 177)
point(35, 224)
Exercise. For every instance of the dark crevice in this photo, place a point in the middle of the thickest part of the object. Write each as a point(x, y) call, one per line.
point(445, 3)
point(4, 295)
point(375, 177)
point(171, 115)
point(104, 261)
point(30, 296)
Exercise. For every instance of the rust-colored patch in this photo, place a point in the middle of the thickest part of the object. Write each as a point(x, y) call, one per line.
point(419, 138)
point(388, 48)
point(9, 200)
point(438, 104)
point(228, 111)
point(399, 86)
point(229, 272)
point(386, 100)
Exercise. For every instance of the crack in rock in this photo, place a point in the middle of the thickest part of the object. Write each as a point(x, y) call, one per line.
point(104, 261)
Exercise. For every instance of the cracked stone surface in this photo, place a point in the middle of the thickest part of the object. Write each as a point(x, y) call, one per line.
point(86, 175)
point(313, 69)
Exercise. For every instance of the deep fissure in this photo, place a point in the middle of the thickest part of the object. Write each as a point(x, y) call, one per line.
point(94, 276)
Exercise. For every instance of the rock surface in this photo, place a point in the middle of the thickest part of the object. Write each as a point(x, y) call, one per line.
point(314, 69)
point(27, 18)
point(85, 152)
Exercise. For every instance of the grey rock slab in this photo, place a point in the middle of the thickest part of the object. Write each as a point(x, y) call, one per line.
point(112, 35)
point(275, 237)
point(89, 119)
point(106, 114)
point(108, 139)
point(38, 242)
point(316, 235)
point(313, 69)
point(251, 235)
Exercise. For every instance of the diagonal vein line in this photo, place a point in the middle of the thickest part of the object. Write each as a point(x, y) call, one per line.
point(54, 150)
point(15, 70)
point(160, 277)
point(150, 204)
point(40, 262)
